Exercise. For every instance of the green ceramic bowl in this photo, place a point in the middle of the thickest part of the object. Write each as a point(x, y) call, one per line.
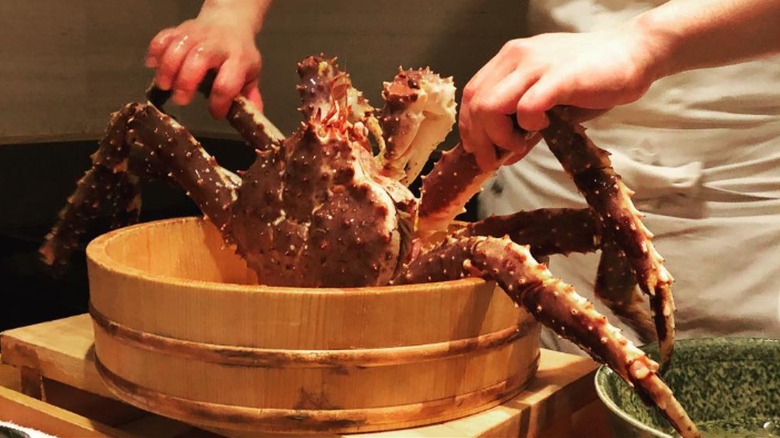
point(729, 386)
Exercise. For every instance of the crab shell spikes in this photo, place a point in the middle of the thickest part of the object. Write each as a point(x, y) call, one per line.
point(313, 212)
point(419, 113)
point(326, 90)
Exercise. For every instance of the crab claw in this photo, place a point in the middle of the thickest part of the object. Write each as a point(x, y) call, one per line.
point(555, 304)
point(418, 114)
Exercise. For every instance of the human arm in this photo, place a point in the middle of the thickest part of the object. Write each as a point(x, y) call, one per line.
point(222, 38)
point(695, 34)
point(600, 69)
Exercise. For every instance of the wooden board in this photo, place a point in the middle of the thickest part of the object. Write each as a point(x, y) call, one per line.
point(560, 399)
point(27, 411)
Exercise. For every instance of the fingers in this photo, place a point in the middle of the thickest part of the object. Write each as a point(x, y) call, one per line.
point(157, 46)
point(478, 144)
point(540, 97)
point(228, 84)
point(494, 107)
point(182, 57)
point(549, 92)
point(173, 58)
point(198, 62)
point(486, 120)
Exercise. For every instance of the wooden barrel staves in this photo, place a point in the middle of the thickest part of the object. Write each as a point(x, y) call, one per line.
point(183, 330)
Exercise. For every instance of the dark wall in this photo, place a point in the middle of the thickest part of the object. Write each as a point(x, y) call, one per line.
point(42, 175)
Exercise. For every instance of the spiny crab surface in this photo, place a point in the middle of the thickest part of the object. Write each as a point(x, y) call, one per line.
point(320, 209)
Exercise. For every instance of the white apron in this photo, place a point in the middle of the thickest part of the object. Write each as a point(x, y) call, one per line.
point(702, 151)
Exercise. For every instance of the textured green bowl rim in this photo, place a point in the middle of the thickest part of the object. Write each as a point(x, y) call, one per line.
point(601, 376)
point(603, 372)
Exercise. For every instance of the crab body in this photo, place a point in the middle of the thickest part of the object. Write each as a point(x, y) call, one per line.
point(320, 209)
point(315, 212)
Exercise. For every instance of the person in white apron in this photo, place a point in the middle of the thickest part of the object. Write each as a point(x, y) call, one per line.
point(701, 149)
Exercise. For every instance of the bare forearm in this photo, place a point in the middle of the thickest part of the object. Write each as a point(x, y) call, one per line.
point(251, 12)
point(691, 34)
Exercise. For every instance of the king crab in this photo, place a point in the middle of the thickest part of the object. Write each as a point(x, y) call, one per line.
point(319, 209)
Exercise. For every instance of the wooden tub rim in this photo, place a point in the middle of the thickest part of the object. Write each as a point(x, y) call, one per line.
point(97, 253)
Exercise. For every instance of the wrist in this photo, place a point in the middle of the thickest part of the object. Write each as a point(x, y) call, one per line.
point(249, 13)
point(656, 43)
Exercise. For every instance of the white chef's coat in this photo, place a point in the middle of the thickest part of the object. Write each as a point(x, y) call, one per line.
point(702, 151)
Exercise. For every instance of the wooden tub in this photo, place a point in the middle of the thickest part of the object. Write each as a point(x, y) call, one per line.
point(182, 329)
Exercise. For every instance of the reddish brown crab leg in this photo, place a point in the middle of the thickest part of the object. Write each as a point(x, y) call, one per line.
point(547, 231)
point(616, 287)
point(551, 231)
point(106, 180)
point(418, 114)
point(318, 78)
point(210, 186)
point(164, 140)
point(592, 172)
point(253, 126)
point(555, 304)
point(455, 179)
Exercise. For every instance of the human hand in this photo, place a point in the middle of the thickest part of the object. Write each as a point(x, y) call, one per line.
point(591, 71)
point(216, 39)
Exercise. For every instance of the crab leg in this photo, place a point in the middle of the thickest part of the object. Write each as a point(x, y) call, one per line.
point(210, 186)
point(547, 231)
point(455, 179)
point(254, 127)
point(163, 141)
point(592, 172)
point(555, 304)
point(563, 231)
point(99, 184)
point(616, 287)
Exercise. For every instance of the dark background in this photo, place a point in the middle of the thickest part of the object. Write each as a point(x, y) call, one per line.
point(29, 289)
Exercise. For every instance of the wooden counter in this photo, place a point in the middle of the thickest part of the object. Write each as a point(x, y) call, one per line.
point(49, 382)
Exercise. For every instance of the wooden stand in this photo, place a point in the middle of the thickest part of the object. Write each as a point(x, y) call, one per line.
point(54, 386)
